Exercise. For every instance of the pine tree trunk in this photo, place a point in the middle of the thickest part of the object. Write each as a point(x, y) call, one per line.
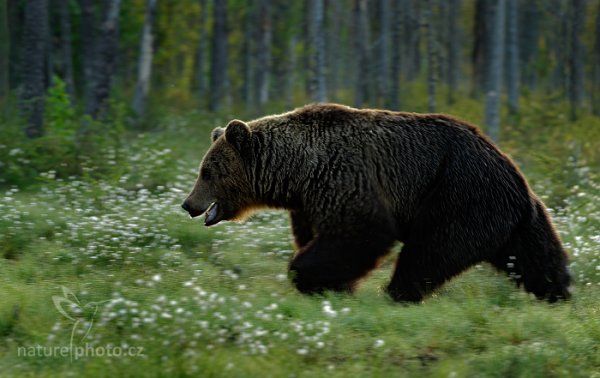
point(512, 55)
point(88, 43)
point(412, 33)
point(290, 74)
point(280, 32)
point(66, 50)
point(317, 51)
point(145, 62)
point(577, 18)
point(201, 53)
point(49, 58)
point(559, 44)
point(305, 57)
point(481, 46)
point(529, 33)
point(263, 52)
point(335, 18)
point(454, 47)
point(105, 59)
point(494, 68)
point(596, 67)
point(360, 43)
point(4, 51)
point(15, 38)
point(247, 62)
point(431, 63)
point(218, 74)
point(33, 75)
point(397, 58)
point(383, 73)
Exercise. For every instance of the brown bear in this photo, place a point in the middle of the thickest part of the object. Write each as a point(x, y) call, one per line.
point(356, 181)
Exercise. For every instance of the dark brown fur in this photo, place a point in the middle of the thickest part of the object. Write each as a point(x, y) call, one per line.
point(356, 181)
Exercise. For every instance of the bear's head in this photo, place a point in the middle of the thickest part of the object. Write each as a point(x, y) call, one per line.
point(223, 190)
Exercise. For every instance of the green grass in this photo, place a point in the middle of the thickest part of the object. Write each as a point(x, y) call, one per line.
point(216, 302)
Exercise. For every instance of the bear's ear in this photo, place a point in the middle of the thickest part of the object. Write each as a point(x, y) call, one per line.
point(216, 133)
point(237, 133)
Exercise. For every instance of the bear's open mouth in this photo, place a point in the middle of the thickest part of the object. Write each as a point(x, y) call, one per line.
point(211, 215)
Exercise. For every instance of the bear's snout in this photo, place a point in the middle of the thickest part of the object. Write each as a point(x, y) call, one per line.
point(190, 209)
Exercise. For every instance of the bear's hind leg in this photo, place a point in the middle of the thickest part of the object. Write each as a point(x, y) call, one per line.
point(337, 262)
point(419, 271)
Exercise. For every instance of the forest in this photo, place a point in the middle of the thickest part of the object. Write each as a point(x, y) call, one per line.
point(106, 108)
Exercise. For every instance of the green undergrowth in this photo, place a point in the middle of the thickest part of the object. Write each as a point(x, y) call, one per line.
point(109, 260)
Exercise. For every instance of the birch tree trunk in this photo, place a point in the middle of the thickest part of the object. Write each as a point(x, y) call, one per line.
point(31, 102)
point(105, 59)
point(494, 68)
point(66, 49)
point(317, 51)
point(4, 51)
point(512, 55)
point(145, 63)
point(218, 74)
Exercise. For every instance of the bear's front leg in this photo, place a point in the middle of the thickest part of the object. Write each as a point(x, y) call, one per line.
point(301, 228)
point(336, 262)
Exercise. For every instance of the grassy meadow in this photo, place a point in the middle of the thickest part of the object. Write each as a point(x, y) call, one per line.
point(92, 265)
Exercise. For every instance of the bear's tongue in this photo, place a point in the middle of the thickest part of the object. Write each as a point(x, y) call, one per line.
point(211, 215)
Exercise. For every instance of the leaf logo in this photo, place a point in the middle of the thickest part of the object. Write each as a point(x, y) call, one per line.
point(69, 301)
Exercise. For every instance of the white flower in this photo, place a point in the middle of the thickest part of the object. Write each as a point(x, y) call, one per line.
point(15, 151)
point(302, 351)
point(327, 310)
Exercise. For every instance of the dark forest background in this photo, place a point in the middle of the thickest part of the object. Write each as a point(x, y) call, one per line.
point(106, 108)
point(82, 74)
point(215, 55)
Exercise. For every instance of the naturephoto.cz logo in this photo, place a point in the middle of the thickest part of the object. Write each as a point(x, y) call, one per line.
point(82, 317)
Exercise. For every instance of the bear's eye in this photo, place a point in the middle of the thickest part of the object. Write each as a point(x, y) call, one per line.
point(205, 174)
